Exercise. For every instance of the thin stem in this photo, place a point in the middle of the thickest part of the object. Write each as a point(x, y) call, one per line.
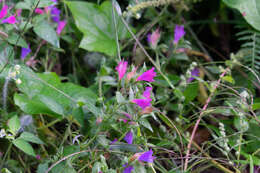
point(200, 116)
point(7, 152)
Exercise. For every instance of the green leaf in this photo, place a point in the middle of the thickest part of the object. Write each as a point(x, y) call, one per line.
point(14, 124)
point(30, 4)
point(42, 168)
point(229, 79)
point(146, 124)
point(24, 146)
point(13, 38)
point(29, 137)
point(46, 32)
point(249, 8)
point(96, 23)
point(191, 91)
point(45, 94)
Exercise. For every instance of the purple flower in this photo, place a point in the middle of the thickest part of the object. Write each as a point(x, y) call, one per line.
point(121, 69)
point(128, 169)
point(129, 137)
point(147, 76)
point(153, 38)
point(146, 101)
point(25, 52)
point(55, 14)
point(61, 25)
point(114, 141)
point(3, 11)
point(10, 20)
point(38, 157)
point(194, 72)
point(178, 33)
point(147, 156)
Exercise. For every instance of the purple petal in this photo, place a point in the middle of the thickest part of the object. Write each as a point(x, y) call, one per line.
point(194, 72)
point(129, 137)
point(178, 33)
point(55, 14)
point(114, 141)
point(147, 157)
point(25, 52)
point(128, 169)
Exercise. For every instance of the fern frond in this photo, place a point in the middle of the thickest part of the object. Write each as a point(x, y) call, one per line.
point(250, 47)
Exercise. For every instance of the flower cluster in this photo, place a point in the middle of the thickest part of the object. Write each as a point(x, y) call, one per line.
point(144, 102)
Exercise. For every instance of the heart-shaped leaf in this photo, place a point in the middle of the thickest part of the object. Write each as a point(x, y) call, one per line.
point(96, 23)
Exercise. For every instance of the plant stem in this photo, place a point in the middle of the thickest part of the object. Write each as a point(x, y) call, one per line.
point(200, 116)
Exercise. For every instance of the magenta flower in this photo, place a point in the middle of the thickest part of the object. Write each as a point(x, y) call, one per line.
point(25, 52)
point(178, 33)
point(147, 156)
point(146, 101)
point(147, 76)
point(39, 11)
point(10, 20)
point(121, 69)
point(153, 38)
point(128, 169)
point(194, 72)
point(61, 25)
point(3, 11)
point(147, 92)
point(129, 137)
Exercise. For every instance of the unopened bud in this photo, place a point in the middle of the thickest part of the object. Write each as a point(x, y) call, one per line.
point(99, 120)
point(147, 110)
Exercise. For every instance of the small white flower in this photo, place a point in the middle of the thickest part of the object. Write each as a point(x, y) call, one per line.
point(18, 81)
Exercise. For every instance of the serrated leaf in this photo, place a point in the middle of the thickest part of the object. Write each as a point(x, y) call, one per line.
point(24, 146)
point(96, 23)
point(46, 32)
point(14, 124)
point(29, 137)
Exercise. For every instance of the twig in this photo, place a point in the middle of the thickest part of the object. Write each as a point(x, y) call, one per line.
point(200, 116)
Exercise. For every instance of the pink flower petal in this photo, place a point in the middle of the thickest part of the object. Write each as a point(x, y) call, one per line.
point(121, 69)
point(10, 20)
point(39, 11)
point(147, 76)
point(3, 11)
point(61, 25)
